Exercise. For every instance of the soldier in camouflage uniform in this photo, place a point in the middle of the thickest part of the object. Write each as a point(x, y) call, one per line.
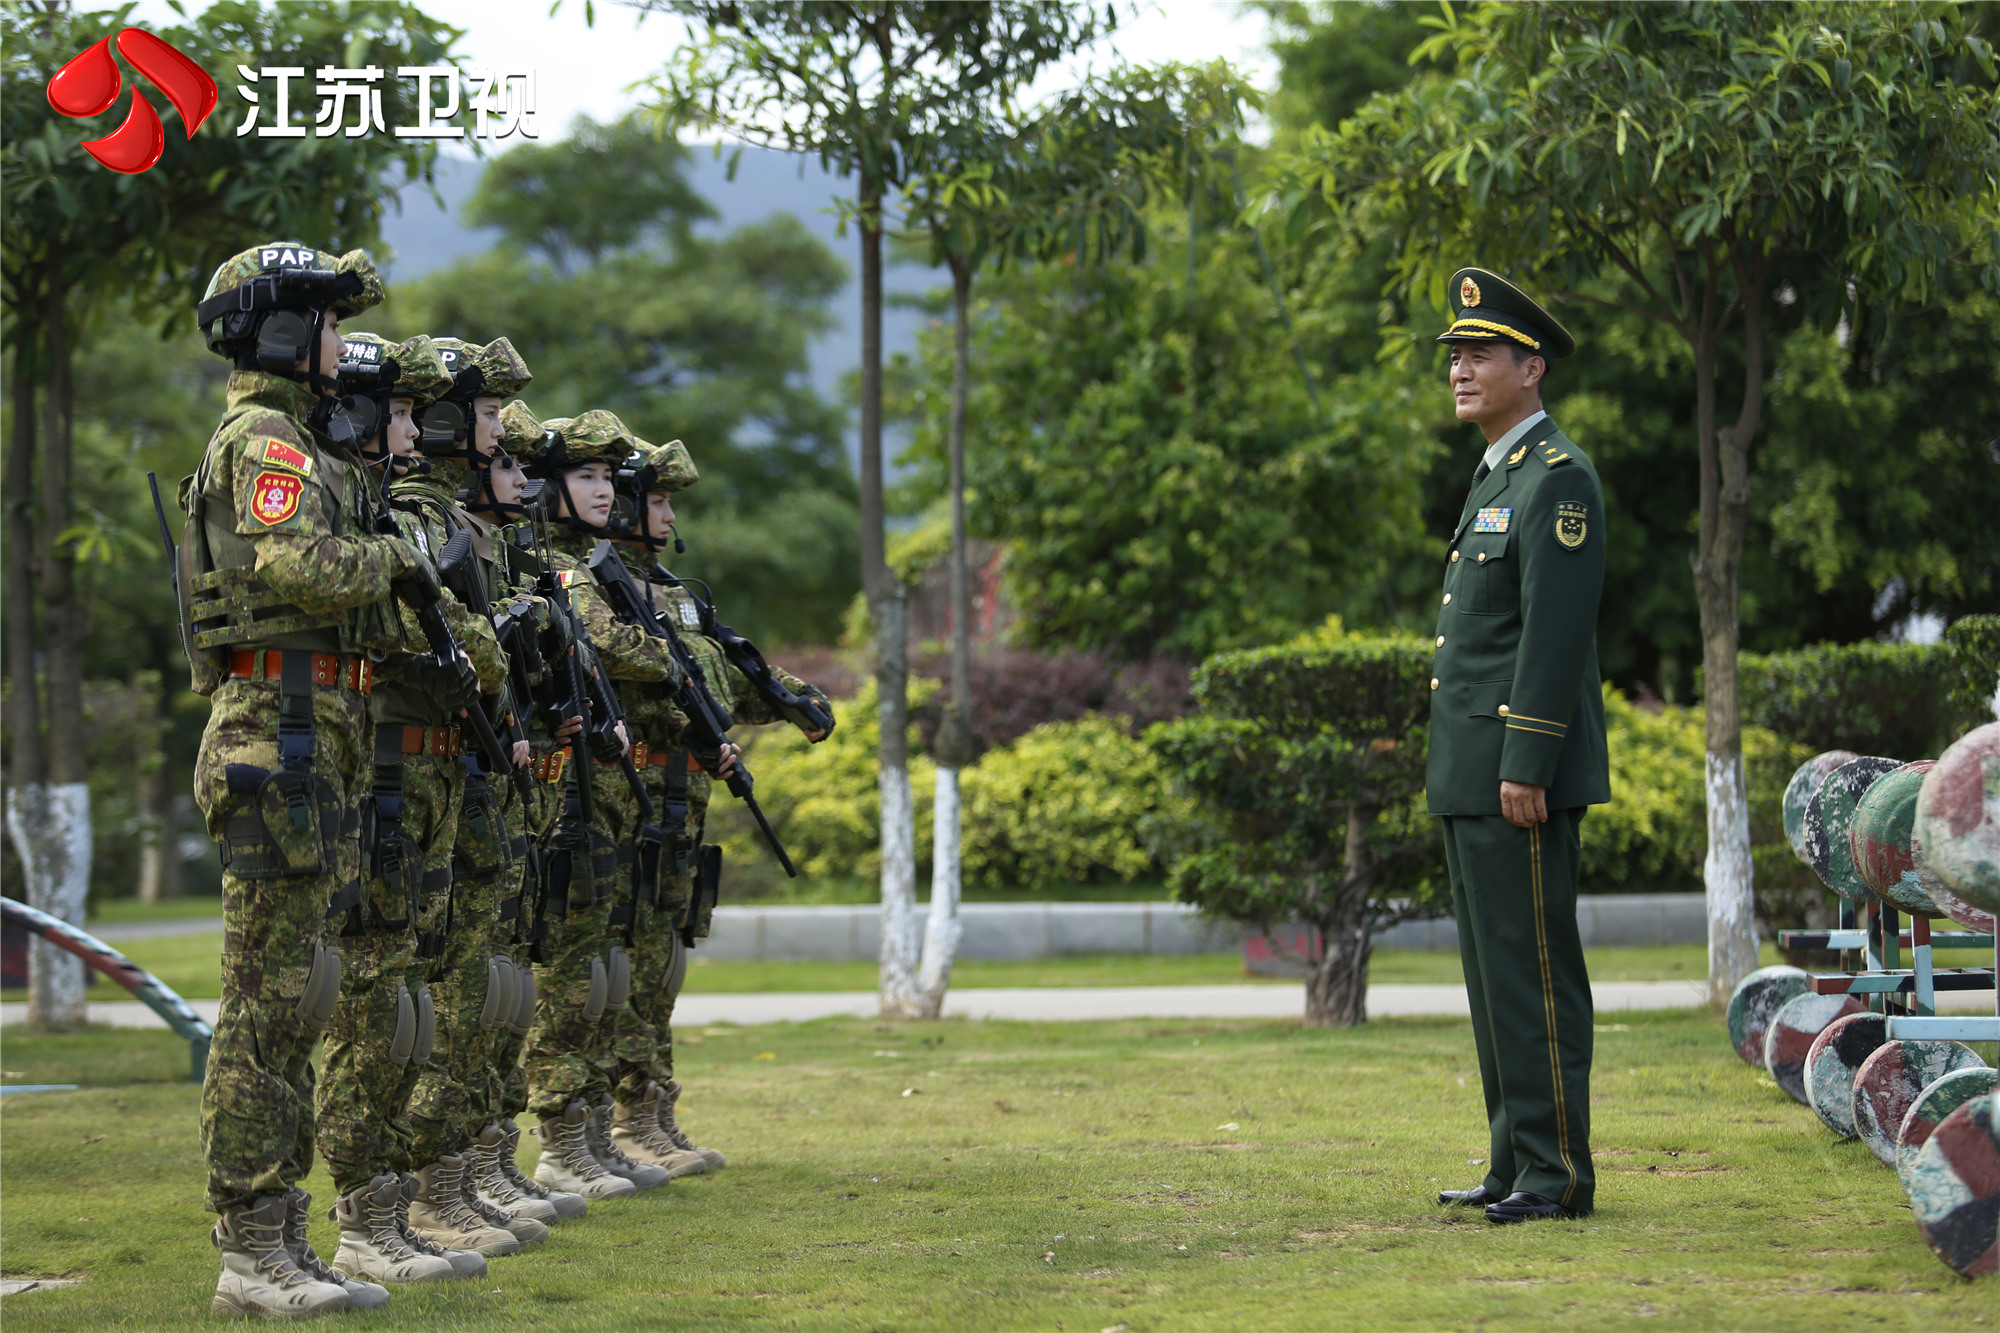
point(287, 614)
point(580, 968)
point(672, 915)
point(382, 1035)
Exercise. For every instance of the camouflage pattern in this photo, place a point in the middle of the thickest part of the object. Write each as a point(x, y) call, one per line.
point(1955, 1188)
point(629, 1040)
point(420, 373)
point(565, 1046)
point(493, 371)
point(1890, 1082)
point(257, 1111)
point(1933, 1107)
point(1794, 1028)
point(1836, 1056)
point(1756, 1001)
point(365, 1094)
point(240, 268)
point(673, 467)
point(596, 436)
point(270, 532)
point(525, 436)
point(507, 1081)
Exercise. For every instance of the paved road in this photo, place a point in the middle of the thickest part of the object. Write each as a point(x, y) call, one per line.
point(1054, 1003)
point(112, 932)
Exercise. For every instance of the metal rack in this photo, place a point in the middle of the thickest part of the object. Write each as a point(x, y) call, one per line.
point(1907, 995)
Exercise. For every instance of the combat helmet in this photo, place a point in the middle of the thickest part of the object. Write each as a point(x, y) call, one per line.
point(652, 467)
point(374, 370)
point(596, 436)
point(264, 308)
point(495, 370)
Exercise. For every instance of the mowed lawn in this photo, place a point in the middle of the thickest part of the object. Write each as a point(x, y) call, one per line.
point(1073, 1176)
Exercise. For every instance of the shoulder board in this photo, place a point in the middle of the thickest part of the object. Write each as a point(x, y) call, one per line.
point(274, 452)
point(1552, 452)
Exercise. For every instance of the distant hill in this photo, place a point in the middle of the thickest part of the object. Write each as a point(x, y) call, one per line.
point(424, 237)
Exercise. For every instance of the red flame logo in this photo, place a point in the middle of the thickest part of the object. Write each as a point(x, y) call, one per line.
point(89, 84)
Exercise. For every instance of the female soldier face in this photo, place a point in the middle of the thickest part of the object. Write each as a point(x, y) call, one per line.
point(505, 478)
point(659, 512)
point(487, 432)
point(590, 489)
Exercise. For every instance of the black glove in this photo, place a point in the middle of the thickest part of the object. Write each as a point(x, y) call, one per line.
point(454, 687)
point(605, 747)
point(420, 587)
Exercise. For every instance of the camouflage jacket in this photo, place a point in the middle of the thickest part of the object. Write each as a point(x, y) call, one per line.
point(275, 553)
point(428, 516)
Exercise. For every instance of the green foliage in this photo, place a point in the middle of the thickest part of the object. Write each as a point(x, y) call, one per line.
point(601, 283)
point(1333, 56)
point(1160, 470)
point(1975, 645)
point(1893, 699)
point(1299, 749)
point(1064, 803)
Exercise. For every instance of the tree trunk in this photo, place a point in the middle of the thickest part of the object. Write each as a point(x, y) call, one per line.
point(159, 849)
point(49, 819)
point(1337, 985)
point(888, 613)
point(1727, 871)
point(954, 739)
point(24, 704)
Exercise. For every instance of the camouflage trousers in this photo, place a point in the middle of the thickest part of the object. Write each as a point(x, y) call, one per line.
point(565, 1054)
point(453, 1098)
point(365, 1089)
point(507, 1081)
point(257, 1119)
point(644, 1045)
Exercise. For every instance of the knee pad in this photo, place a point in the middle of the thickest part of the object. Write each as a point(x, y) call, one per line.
point(618, 989)
point(426, 1026)
point(500, 998)
point(404, 1042)
point(322, 989)
point(524, 1003)
point(600, 990)
point(677, 967)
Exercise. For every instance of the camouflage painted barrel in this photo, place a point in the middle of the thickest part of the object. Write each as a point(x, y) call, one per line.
point(1795, 1026)
point(1931, 1107)
point(1955, 1189)
point(1892, 1080)
point(1878, 839)
point(1960, 911)
point(1800, 790)
point(1837, 1055)
point(1829, 813)
point(1755, 1001)
point(1958, 817)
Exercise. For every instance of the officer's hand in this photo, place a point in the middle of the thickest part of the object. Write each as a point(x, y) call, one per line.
point(1523, 804)
point(725, 767)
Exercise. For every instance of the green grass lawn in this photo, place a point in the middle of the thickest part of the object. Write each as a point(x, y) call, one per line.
point(188, 964)
point(1073, 1176)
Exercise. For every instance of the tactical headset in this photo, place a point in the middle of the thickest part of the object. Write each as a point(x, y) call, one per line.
point(273, 321)
point(631, 516)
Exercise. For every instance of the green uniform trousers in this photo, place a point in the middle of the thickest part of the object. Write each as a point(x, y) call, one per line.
point(365, 1090)
point(507, 1081)
point(1513, 891)
point(565, 1055)
point(257, 1112)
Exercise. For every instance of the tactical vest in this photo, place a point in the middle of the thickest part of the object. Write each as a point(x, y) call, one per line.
point(228, 606)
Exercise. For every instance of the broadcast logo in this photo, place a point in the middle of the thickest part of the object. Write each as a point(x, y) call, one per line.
point(90, 83)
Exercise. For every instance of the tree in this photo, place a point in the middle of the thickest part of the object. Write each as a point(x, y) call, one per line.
point(1306, 768)
point(617, 302)
point(1674, 161)
point(868, 86)
point(74, 232)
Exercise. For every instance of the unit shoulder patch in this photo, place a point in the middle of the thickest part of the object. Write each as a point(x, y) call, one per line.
point(569, 578)
point(276, 453)
point(1493, 519)
point(1572, 523)
point(274, 497)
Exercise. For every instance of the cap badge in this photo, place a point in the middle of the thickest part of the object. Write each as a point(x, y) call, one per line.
point(1468, 291)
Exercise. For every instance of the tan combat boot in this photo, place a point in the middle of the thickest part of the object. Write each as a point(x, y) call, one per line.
point(372, 1247)
point(643, 1175)
point(567, 1163)
point(636, 1131)
point(465, 1263)
point(496, 1189)
point(438, 1212)
point(528, 1230)
point(716, 1161)
point(567, 1205)
point(298, 1213)
point(259, 1276)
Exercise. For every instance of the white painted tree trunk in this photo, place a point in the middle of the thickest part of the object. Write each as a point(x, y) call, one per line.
point(50, 826)
point(1728, 875)
point(899, 896)
point(942, 931)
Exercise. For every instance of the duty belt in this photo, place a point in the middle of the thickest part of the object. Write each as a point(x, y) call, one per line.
point(549, 767)
point(445, 742)
point(329, 670)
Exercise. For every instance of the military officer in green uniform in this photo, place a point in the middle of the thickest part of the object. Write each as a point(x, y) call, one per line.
point(1517, 750)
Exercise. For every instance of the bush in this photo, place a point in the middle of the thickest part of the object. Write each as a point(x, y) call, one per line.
point(1974, 642)
point(1902, 700)
point(1015, 690)
point(1063, 803)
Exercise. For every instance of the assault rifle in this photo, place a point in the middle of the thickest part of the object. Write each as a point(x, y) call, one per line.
point(802, 710)
point(428, 603)
point(173, 568)
point(468, 583)
point(708, 721)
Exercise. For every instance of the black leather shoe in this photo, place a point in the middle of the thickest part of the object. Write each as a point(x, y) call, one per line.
point(1476, 1197)
point(1521, 1206)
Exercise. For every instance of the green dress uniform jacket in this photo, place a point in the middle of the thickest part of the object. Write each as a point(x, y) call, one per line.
point(1515, 694)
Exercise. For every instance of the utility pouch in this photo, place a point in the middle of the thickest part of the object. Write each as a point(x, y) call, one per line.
point(707, 891)
point(287, 824)
point(600, 991)
point(433, 943)
point(646, 848)
point(481, 847)
point(603, 867)
point(395, 862)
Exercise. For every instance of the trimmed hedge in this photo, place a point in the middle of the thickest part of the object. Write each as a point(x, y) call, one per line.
point(1902, 700)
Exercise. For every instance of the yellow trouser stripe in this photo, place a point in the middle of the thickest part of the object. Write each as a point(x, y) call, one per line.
point(1549, 1012)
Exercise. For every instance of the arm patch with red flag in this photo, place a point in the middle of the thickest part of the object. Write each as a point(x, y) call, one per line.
point(276, 453)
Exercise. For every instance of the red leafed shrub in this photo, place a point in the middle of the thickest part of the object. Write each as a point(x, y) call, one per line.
point(1015, 691)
